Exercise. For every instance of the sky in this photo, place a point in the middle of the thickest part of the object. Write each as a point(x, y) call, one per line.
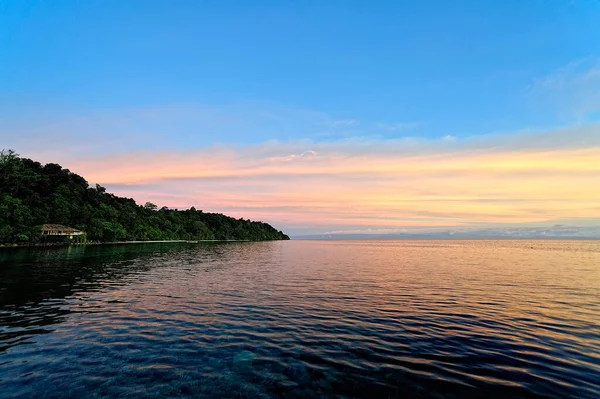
point(316, 116)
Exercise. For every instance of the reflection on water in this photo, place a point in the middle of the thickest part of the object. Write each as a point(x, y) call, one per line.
point(303, 319)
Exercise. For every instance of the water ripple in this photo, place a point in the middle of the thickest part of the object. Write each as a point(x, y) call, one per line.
point(303, 320)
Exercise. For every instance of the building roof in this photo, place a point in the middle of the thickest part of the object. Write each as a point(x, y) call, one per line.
point(59, 227)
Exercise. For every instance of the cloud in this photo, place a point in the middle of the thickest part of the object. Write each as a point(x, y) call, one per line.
point(572, 91)
point(316, 184)
point(343, 122)
point(109, 131)
point(358, 183)
point(308, 154)
point(399, 126)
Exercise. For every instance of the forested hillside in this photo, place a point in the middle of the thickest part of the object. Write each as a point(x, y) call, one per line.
point(32, 194)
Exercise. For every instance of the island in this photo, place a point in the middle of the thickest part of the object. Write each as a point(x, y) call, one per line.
point(48, 203)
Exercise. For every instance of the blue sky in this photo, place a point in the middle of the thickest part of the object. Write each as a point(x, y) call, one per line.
point(106, 77)
point(433, 67)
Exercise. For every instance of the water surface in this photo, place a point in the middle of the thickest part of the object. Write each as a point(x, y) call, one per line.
point(314, 319)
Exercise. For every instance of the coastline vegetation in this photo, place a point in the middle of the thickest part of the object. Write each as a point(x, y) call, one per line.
point(32, 194)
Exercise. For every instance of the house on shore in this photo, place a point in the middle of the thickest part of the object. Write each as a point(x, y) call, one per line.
point(58, 230)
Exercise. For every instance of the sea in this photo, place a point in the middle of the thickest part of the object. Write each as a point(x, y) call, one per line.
point(302, 319)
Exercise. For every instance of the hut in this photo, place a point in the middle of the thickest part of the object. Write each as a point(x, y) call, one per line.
point(58, 230)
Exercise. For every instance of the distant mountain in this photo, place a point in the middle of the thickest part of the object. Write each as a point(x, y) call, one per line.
point(32, 194)
point(556, 231)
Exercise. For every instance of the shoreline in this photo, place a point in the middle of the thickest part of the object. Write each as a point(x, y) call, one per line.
point(78, 244)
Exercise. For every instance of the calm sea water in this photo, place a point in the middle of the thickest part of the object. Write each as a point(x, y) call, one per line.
point(305, 319)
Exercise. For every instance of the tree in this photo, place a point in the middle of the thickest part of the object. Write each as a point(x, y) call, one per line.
point(150, 206)
point(7, 156)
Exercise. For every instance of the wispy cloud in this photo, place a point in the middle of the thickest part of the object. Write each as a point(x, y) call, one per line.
point(572, 91)
point(398, 126)
point(308, 154)
point(166, 126)
point(343, 122)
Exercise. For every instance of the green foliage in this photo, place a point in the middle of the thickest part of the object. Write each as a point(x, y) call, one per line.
point(32, 194)
point(80, 238)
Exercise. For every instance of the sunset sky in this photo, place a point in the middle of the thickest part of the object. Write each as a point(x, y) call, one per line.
point(316, 116)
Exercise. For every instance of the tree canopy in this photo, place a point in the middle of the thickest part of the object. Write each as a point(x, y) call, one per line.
point(32, 194)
